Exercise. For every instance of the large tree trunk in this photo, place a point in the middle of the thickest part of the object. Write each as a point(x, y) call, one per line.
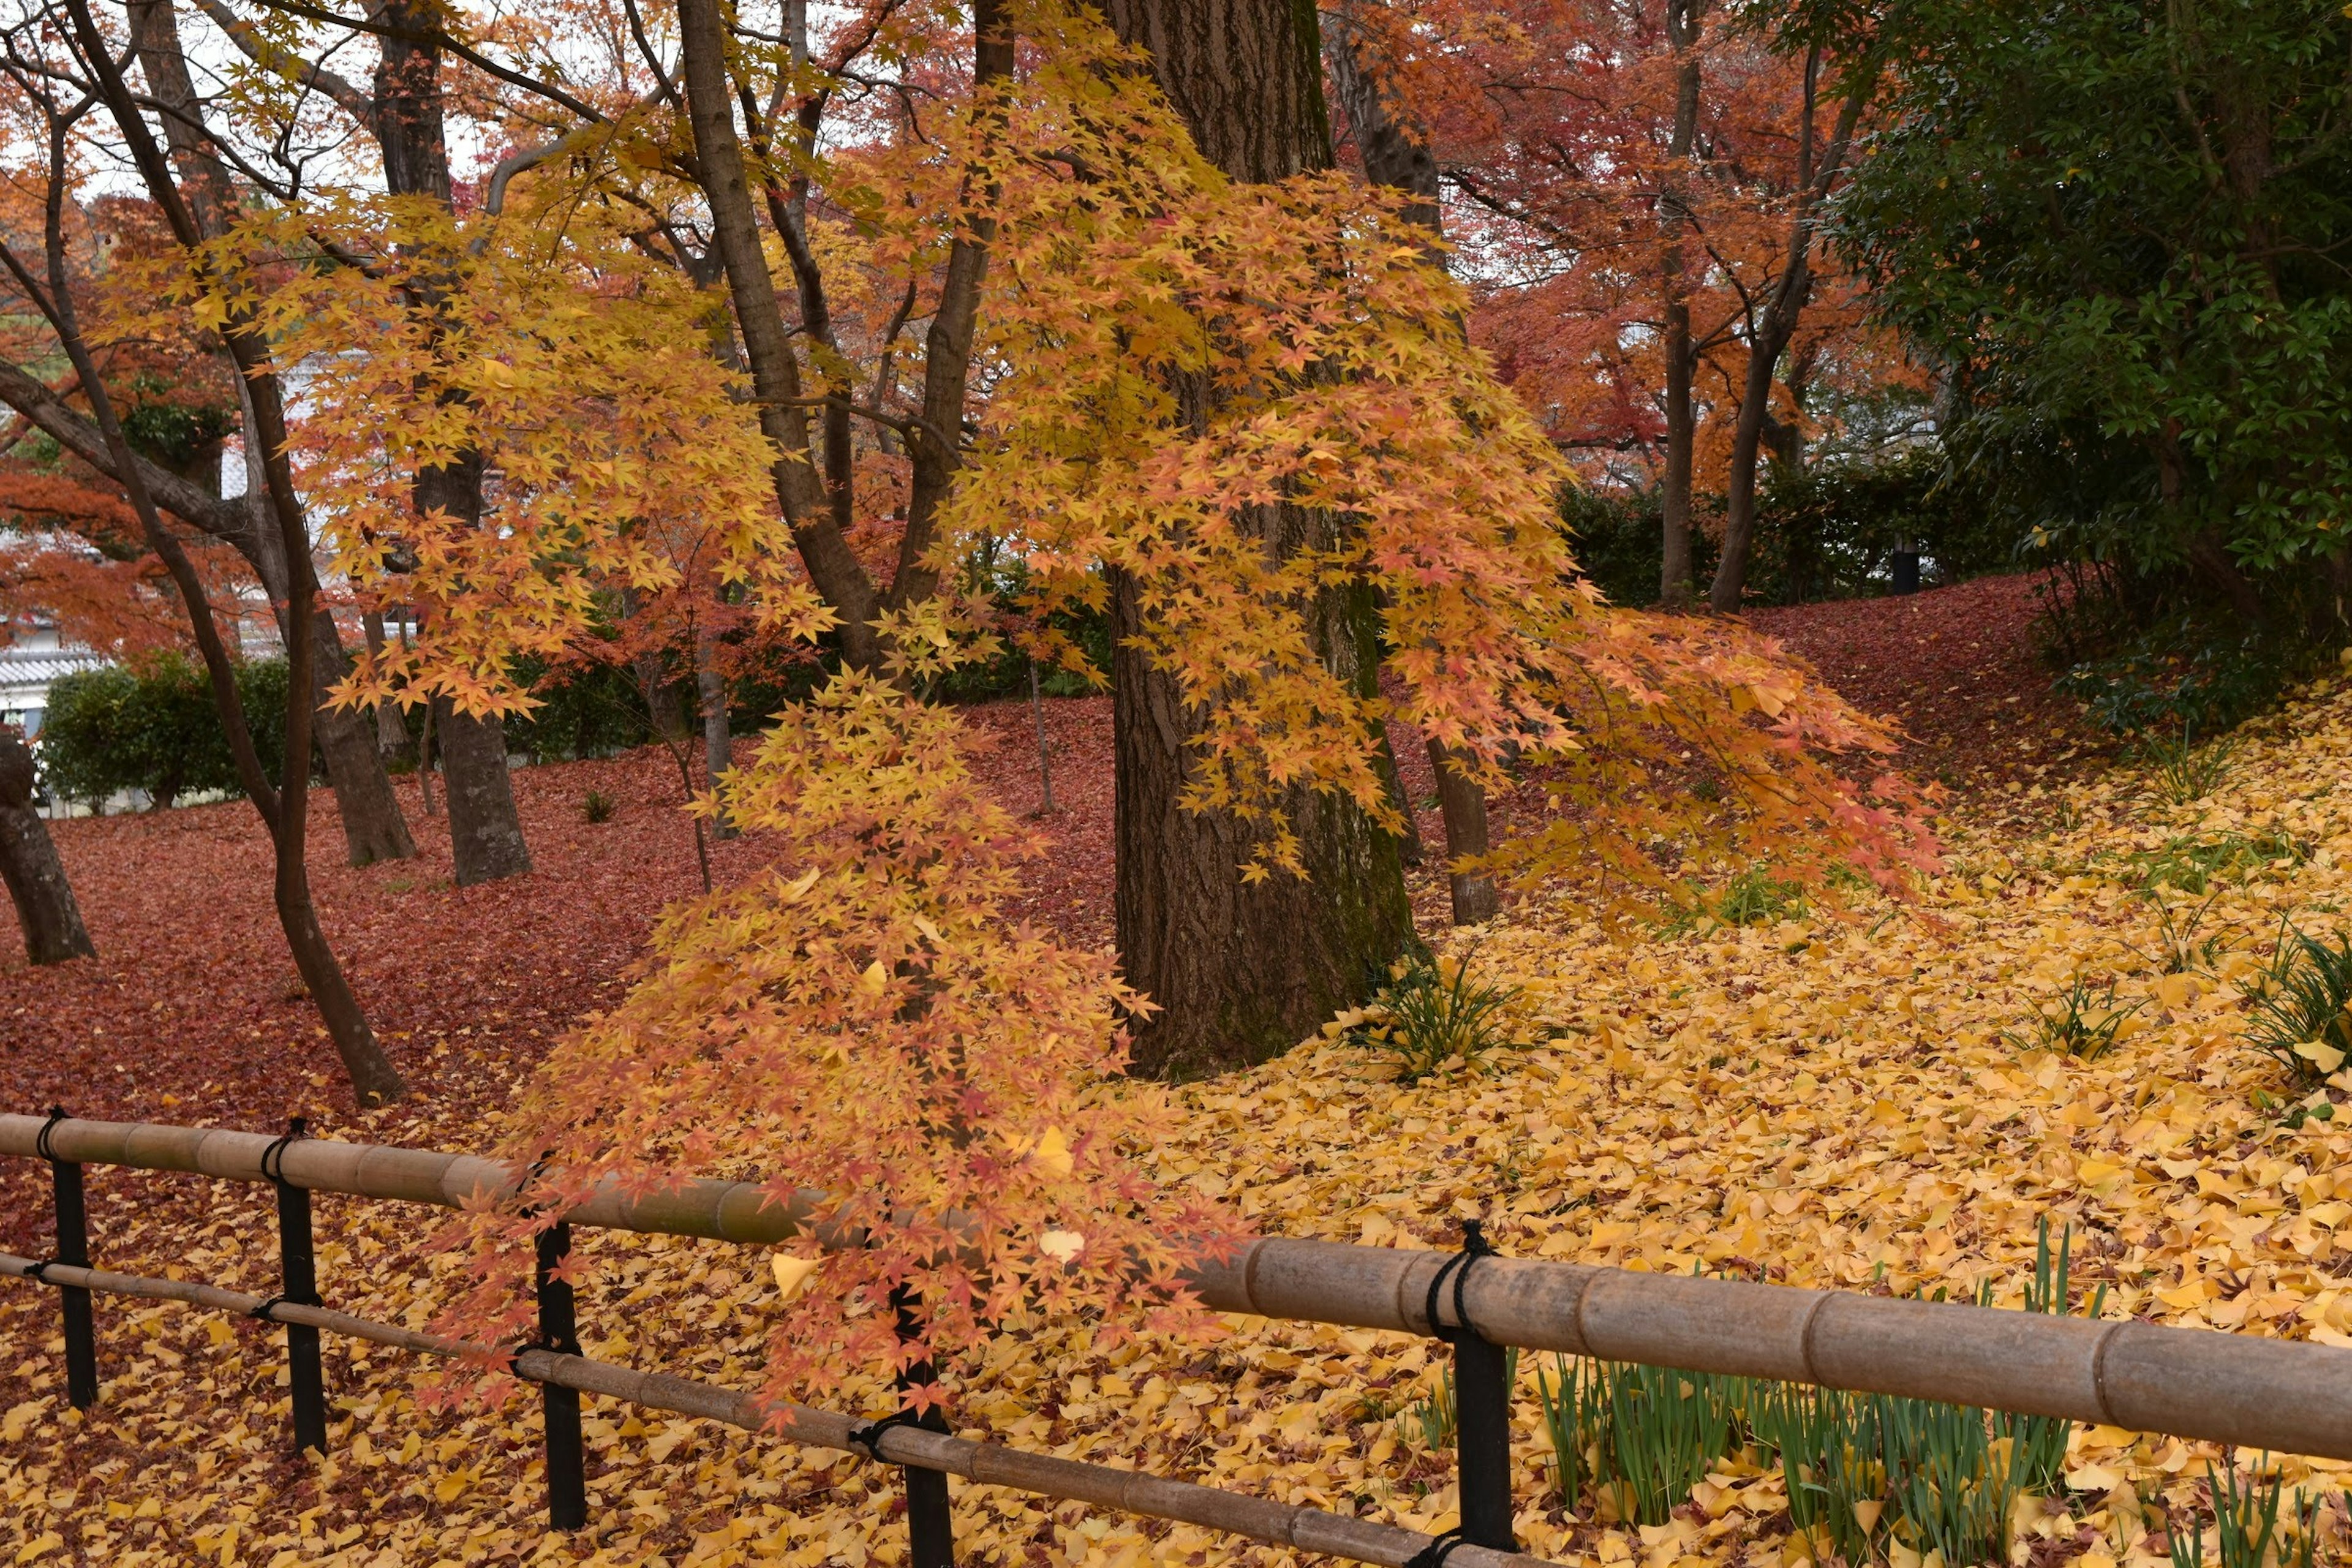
point(1395, 154)
point(37, 879)
point(1241, 970)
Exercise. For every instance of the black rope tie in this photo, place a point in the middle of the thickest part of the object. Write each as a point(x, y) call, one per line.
point(277, 1151)
point(1473, 1247)
point(863, 1438)
point(45, 1148)
point(42, 1140)
point(1434, 1555)
point(268, 1304)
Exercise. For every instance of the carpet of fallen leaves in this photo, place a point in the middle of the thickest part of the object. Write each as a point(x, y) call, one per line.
point(1823, 1101)
point(1963, 669)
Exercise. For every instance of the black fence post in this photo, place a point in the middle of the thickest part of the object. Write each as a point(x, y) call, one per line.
point(1482, 1404)
point(930, 1526)
point(297, 1281)
point(1481, 1395)
point(558, 1331)
point(72, 1249)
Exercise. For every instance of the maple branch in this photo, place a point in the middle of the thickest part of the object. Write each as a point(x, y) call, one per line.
point(36, 403)
point(439, 37)
point(666, 86)
point(57, 306)
point(907, 424)
point(249, 42)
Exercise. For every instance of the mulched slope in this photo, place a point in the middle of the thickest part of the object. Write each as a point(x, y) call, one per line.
point(1960, 669)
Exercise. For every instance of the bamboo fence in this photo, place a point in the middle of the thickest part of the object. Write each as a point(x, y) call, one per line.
point(2283, 1396)
point(990, 1464)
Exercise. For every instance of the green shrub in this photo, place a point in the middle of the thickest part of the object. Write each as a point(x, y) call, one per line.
point(596, 805)
point(2298, 1016)
point(1431, 1013)
point(1826, 532)
point(2181, 676)
point(155, 729)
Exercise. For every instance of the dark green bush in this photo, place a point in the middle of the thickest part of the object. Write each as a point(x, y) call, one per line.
point(155, 730)
point(2186, 677)
point(1828, 531)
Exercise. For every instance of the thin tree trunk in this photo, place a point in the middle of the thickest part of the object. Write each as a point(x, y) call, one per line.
point(373, 828)
point(1474, 895)
point(426, 752)
point(36, 877)
point(391, 734)
point(1395, 154)
point(1242, 971)
point(710, 691)
point(372, 1077)
point(1677, 580)
point(1783, 309)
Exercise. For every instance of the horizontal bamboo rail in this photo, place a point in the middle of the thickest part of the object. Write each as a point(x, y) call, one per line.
point(2275, 1395)
point(990, 1464)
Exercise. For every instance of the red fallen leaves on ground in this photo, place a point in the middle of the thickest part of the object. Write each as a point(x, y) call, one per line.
point(1960, 668)
point(193, 1012)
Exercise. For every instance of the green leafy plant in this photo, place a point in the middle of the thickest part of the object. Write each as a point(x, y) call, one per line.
point(2083, 1023)
point(2247, 1528)
point(2298, 1014)
point(1645, 1435)
point(2037, 1444)
point(1827, 1440)
point(1433, 1419)
point(2178, 947)
point(2180, 771)
point(1860, 1468)
point(1754, 897)
point(1433, 1013)
point(2191, 864)
point(596, 805)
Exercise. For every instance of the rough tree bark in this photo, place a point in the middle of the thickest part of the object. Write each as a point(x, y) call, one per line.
point(36, 877)
point(1395, 154)
point(1241, 970)
point(1677, 583)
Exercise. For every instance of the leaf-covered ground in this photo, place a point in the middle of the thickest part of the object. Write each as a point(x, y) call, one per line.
point(1819, 1101)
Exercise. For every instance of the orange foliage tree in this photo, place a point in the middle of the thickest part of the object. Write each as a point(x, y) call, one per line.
point(1640, 189)
point(859, 1022)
